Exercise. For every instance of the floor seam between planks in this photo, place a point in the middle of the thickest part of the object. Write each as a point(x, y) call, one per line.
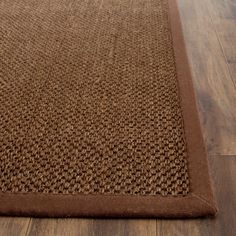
point(28, 227)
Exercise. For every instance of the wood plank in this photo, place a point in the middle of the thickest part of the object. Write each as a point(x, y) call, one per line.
point(125, 227)
point(214, 87)
point(14, 226)
point(99, 227)
point(58, 227)
point(225, 223)
point(223, 14)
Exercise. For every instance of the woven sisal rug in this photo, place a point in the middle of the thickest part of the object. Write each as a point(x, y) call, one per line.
point(97, 112)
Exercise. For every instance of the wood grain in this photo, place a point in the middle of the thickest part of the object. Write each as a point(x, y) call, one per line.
point(223, 14)
point(212, 80)
point(58, 227)
point(125, 227)
point(14, 226)
point(90, 227)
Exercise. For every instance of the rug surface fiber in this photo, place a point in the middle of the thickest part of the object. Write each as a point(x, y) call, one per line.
point(97, 112)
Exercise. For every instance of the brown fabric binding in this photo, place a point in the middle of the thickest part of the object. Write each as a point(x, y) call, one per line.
point(199, 202)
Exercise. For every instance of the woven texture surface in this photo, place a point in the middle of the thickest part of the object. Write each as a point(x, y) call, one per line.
point(89, 100)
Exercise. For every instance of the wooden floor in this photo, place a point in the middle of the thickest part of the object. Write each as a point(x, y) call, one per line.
point(210, 34)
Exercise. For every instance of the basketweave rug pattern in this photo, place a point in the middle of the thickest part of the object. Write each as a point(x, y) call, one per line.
point(97, 112)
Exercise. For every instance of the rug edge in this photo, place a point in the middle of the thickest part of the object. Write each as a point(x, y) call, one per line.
point(200, 179)
point(56, 205)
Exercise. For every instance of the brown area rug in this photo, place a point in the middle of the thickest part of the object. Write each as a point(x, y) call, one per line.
point(97, 110)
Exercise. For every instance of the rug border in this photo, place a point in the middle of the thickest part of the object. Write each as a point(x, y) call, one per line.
point(200, 202)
